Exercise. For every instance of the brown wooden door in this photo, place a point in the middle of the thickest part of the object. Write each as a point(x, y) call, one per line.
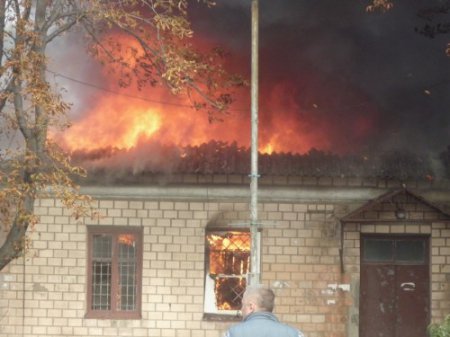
point(394, 291)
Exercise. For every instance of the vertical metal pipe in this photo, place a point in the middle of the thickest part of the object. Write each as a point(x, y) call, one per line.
point(255, 249)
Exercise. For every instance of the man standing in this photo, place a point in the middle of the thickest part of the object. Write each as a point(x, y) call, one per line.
point(257, 317)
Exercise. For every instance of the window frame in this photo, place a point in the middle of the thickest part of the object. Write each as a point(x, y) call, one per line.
point(219, 315)
point(395, 239)
point(114, 313)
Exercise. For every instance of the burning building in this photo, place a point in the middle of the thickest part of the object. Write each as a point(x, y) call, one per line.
point(168, 254)
point(171, 258)
point(228, 262)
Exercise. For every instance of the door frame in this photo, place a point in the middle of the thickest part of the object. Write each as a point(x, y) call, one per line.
point(394, 263)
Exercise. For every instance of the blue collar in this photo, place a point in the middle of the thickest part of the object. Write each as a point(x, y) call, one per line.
point(261, 315)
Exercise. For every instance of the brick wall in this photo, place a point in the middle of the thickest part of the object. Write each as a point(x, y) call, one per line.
point(418, 222)
point(44, 294)
point(440, 271)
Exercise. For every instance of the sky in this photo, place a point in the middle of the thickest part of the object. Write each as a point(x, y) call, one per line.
point(332, 77)
point(364, 81)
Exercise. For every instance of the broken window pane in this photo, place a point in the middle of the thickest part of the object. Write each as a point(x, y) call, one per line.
point(229, 262)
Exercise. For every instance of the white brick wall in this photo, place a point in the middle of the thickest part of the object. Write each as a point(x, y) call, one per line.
point(300, 257)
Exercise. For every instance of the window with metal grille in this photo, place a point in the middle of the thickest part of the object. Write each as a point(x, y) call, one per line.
point(114, 272)
point(228, 262)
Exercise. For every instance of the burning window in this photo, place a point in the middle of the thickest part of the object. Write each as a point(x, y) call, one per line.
point(228, 262)
point(114, 273)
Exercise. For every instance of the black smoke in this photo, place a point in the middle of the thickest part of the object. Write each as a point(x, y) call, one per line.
point(344, 64)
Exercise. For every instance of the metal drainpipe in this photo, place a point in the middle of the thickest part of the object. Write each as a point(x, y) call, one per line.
point(255, 249)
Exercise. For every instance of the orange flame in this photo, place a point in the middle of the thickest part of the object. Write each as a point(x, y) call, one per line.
point(132, 117)
point(229, 261)
point(117, 121)
point(126, 239)
point(268, 149)
point(231, 241)
point(108, 127)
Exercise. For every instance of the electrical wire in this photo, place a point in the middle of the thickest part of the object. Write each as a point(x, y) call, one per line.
point(98, 87)
point(56, 74)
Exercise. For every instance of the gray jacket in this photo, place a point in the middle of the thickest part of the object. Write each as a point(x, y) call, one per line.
point(262, 324)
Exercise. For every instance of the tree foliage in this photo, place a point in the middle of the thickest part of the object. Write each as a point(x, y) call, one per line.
point(155, 51)
point(435, 17)
point(383, 5)
point(441, 329)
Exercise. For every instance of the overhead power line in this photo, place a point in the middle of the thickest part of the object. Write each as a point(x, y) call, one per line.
point(425, 90)
point(98, 87)
point(56, 74)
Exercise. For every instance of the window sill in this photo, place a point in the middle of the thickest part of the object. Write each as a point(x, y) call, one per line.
point(113, 315)
point(221, 317)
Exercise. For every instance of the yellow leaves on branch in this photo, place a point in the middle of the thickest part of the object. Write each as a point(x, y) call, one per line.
point(383, 5)
point(158, 54)
point(178, 26)
point(29, 177)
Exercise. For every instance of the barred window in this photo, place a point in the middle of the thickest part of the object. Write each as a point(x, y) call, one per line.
point(228, 262)
point(114, 272)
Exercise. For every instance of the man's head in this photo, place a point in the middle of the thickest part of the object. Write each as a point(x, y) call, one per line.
point(257, 298)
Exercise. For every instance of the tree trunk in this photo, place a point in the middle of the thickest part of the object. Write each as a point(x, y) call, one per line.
point(35, 139)
point(15, 242)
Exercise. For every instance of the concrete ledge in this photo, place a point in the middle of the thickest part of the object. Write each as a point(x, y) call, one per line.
point(267, 194)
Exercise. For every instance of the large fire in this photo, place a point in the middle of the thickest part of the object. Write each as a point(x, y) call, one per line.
point(125, 118)
point(123, 122)
point(229, 261)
